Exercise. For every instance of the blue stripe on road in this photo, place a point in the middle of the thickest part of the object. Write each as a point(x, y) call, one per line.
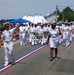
point(22, 57)
point(28, 53)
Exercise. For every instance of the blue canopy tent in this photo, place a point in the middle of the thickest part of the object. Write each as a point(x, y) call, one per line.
point(20, 20)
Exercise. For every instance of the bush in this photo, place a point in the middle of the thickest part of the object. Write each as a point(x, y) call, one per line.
point(2, 27)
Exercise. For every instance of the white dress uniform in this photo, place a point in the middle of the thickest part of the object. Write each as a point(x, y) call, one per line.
point(70, 35)
point(54, 38)
point(72, 30)
point(38, 27)
point(41, 40)
point(36, 32)
point(61, 36)
point(7, 36)
point(66, 40)
point(26, 35)
point(45, 30)
point(31, 39)
point(22, 35)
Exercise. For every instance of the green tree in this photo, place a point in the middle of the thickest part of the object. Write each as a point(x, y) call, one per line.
point(66, 14)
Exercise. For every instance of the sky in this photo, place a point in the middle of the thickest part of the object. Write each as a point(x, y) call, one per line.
point(13, 9)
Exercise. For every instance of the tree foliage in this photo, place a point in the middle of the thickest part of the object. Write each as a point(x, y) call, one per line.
point(2, 21)
point(7, 20)
point(66, 14)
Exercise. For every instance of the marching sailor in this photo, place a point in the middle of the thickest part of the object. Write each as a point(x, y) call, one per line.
point(22, 34)
point(40, 32)
point(7, 36)
point(66, 34)
point(31, 35)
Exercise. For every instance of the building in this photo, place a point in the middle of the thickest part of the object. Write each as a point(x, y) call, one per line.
point(51, 18)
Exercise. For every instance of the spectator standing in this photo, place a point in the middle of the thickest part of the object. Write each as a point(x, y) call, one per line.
point(53, 40)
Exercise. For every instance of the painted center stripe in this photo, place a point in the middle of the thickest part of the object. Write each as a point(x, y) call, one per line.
point(21, 58)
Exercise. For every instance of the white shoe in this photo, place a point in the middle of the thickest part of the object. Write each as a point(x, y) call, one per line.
point(56, 58)
point(35, 43)
point(32, 43)
point(23, 44)
point(6, 63)
point(66, 45)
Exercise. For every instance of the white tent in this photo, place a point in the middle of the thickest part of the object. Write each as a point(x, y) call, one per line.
point(36, 19)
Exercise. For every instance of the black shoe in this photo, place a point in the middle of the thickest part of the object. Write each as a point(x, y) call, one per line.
point(51, 59)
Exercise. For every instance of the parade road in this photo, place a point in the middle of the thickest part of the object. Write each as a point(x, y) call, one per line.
point(34, 60)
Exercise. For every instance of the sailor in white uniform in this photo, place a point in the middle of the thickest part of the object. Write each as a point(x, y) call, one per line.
point(61, 36)
point(71, 32)
point(40, 32)
point(7, 36)
point(35, 34)
point(22, 34)
point(45, 32)
point(66, 33)
point(26, 34)
point(31, 35)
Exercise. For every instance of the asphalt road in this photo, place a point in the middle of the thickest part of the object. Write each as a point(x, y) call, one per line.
point(38, 63)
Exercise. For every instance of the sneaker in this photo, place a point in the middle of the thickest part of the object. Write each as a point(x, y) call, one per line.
point(56, 58)
point(6, 63)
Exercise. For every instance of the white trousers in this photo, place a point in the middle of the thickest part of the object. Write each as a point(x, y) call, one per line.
point(66, 38)
point(43, 40)
point(22, 38)
point(8, 49)
point(30, 37)
point(70, 37)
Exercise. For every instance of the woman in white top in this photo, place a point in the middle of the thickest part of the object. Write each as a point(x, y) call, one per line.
point(53, 40)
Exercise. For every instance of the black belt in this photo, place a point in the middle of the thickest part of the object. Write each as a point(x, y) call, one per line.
point(7, 42)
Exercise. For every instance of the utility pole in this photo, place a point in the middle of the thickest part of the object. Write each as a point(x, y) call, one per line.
point(56, 13)
point(63, 16)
